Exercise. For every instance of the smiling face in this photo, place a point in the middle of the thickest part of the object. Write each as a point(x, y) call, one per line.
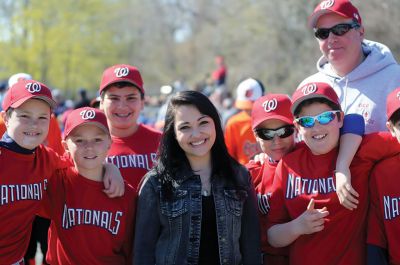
point(122, 108)
point(28, 125)
point(88, 146)
point(195, 133)
point(277, 147)
point(321, 139)
point(343, 52)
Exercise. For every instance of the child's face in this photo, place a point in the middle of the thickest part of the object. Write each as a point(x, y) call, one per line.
point(321, 139)
point(88, 146)
point(28, 125)
point(195, 132)
point(394, 129)
point(277, 147)
point(122, 107)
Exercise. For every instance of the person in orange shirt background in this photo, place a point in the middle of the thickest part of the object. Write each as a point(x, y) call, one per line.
point(239, 136)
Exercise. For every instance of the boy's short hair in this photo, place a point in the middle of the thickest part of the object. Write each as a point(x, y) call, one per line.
point(85, 115)
point(120, 85)
point(314, 91)
point(121, 73)
point(24, 90)
point(271, 106)
point(393, 105)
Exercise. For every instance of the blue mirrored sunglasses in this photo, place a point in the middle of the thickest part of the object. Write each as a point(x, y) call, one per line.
point(323, 119)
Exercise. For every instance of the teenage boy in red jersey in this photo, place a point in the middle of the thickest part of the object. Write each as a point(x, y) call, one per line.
point(384, 214)
point(88, 227)
point(134, 145)
point(304, 185)
point(25, 165)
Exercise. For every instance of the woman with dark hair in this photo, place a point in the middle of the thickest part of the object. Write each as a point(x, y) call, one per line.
point(197, 206)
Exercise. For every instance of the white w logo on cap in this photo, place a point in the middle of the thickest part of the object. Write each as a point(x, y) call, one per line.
point(398, 95)
point(33, 87)
point(121, 71)
point(270, 105)
point(309, 89)
point(87, 114)
point(327, 4)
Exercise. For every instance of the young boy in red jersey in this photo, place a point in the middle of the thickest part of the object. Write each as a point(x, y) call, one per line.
point(384, 214)
point(88, 227)
point(25, 165)
point(304, 185)
point(134, 146)
point(272, 123)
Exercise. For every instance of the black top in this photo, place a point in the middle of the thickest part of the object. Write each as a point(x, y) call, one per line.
point(209, 253)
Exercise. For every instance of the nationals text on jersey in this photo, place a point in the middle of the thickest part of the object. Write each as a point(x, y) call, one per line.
point(391, 207)
point(17, 192)
point(298, 185)
point(77, 216)
point(132, 161)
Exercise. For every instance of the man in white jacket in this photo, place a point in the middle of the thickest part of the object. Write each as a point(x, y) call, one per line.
point(362, 72)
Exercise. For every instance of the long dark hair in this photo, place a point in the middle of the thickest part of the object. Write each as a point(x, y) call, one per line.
point(170, 154)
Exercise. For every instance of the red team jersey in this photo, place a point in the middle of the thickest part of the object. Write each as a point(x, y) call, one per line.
point(23, 181)
point(135, 154)
point(262, 177)
point(384, 213)
point(301, 176)
point(87, 226)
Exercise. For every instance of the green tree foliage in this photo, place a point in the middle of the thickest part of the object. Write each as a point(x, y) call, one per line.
point(67, 44)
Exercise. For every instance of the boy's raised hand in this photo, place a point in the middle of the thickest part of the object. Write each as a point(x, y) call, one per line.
point(114, 185)
point(346, 193)
point(311, 220)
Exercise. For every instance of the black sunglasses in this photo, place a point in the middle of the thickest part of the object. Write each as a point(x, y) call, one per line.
point(338, 30)
point(269, 134)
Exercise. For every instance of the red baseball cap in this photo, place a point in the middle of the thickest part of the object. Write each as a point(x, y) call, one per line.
point(393, 102)
point(314, 90)
point(23, 90)
point(271, 106)
point(343, 8)
point(85, 115)
point(121, 73)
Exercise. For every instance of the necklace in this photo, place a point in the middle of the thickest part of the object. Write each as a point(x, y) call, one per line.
point(205, 193)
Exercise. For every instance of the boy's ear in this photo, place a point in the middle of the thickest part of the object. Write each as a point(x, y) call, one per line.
point(389, 125)
point(64, 144)
point(341, 118)
point(5, 117)
point(296, 125)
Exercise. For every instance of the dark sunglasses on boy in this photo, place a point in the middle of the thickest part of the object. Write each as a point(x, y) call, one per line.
point(269, 134)
point(338, 30)
point(323, 119)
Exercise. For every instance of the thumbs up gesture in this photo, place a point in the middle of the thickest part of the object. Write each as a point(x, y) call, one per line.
point(311, 220)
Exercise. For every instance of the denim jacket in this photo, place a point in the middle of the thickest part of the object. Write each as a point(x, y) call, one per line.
point(168, 231)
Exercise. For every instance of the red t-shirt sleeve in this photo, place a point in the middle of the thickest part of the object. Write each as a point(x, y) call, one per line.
point(278, 213)
point(377, 146)
point(256, 172)
point(376, 230)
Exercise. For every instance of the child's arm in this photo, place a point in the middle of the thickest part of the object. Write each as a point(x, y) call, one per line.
point(309, 222)
point(350, 139)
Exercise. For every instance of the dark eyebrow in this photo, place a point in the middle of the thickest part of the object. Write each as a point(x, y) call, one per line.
point(186, 122)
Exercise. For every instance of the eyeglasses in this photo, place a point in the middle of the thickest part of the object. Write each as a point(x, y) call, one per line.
point(323, 119)
point(269, 134)
point(338, 30)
